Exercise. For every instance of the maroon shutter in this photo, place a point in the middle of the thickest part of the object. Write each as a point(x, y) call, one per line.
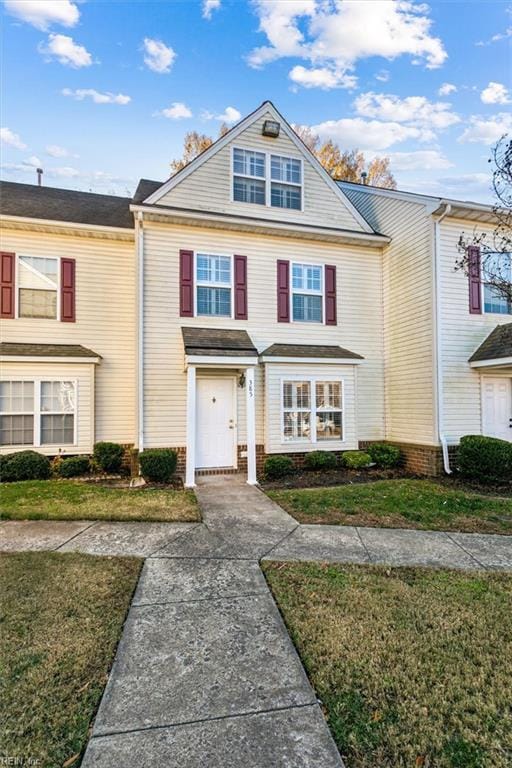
point(283, 291)
point(186, 284)
point(475, 291)
point(67, 290)
point(7, 271)
point(240, 287)
point(330, 295)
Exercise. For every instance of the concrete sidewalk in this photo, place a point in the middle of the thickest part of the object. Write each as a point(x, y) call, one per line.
point(205, 673)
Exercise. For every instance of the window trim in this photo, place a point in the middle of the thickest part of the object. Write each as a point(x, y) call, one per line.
point(17, 285)
point(308, 292)
point(267, 179)
point(313, 380)
point(38, 413)
point(231, 257)
point(483, 283)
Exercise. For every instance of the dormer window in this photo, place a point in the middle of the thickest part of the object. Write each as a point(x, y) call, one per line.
point(267, 179)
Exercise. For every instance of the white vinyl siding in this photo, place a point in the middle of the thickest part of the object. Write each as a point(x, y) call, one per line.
point(359, 326)
point(105, 318)
point(210, 187)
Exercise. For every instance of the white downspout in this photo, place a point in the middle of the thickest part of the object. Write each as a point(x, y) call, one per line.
point(439, 349)
point(140, 330)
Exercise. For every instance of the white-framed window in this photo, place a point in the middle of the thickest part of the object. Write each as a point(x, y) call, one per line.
point(267, 179)
point(214, 289)
point(38, 412)
point(307, 293)
point(38, 286)
point(286, 182)
point(249, 176)
point(312, 410)
point(496, 264)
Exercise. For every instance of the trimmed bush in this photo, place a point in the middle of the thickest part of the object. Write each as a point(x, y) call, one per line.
point(109, 457)
point(485, 459)
point(356, 459)
point(25, 465)
point(317, 461)
point(158, 464)
point(73, 466)
point(384, 455)
point(278, 466)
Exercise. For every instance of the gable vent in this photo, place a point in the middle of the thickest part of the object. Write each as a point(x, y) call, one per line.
point(271, 128)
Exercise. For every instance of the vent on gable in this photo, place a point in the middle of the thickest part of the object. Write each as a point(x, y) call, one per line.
point(271, 128)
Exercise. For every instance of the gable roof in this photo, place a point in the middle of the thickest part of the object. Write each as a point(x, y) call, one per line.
point(155, 197)
point(54, 204)
point(497, 345)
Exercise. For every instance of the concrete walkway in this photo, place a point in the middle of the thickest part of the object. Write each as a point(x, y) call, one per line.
point(205, 673)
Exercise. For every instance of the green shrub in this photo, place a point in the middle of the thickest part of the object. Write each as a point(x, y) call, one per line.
point(278, 466)
point(158, 464)
point(384, 455)
point(109, 457)
point(320, 460)
point(25, 465)
point(73, 466)
point(485, 459)
point(356, 459)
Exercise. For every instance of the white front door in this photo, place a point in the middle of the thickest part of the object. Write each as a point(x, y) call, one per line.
point(497, 407)
point(215, 423)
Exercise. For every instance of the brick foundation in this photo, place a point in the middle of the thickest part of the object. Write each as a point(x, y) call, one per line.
point(418, 459)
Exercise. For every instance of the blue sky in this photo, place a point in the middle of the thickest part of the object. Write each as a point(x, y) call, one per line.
point(101, 93)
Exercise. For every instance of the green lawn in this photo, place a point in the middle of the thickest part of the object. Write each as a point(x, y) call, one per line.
point(422, 504)
point(413, 666)
point(61, 617)
point(74, 500)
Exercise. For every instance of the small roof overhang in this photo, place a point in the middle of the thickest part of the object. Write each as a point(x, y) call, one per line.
point(15, 352)
point(309, 353)
point(218, 346)
point(496, 350)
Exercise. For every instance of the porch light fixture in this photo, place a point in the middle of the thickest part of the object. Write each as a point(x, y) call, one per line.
point(241, 380)
point(271, 128)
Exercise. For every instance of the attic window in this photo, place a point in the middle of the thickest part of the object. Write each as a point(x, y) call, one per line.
point(267, 179)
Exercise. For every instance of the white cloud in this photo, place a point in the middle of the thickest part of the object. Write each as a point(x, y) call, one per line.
point(209, 6)
point(42, 13)
point(337, 35)
point(372, 135)
point(54, 150)
point(495, 93)
point(157, 56)
point(230, 115)
point(446, 89)
point(426, 160)
point(34, 161)
point(12, 139)
point(66, 51)
point(416, 110)
point(97, 97)
point(382, 76)
point(176, 111)
point(487, 130)
point(321, 77)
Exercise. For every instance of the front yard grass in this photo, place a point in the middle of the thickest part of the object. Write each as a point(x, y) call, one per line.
point(413, 666)
point(75, 500)
point(61, 617)
point(404, 503)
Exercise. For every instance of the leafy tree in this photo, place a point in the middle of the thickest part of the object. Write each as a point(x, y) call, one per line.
point(193, 144)
point(496, 247)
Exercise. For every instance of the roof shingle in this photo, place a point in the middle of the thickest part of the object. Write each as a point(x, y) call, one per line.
point(498, 344)
point(310, 350)
point(217, 341)
point(12, 349)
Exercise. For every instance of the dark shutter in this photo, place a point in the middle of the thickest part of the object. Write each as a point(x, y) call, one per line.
point(330, 295)
point(475, 290)
point(240, 287)
point(186, 284)
point(283, 291)
point(7, 271)
point(67, 290)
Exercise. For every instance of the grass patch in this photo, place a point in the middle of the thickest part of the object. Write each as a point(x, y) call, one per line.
point(61, 617)
point(413, 666)
point(74, 500)
point(422, 504)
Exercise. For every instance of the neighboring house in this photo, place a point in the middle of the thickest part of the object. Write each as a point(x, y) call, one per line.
point(250, 305)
